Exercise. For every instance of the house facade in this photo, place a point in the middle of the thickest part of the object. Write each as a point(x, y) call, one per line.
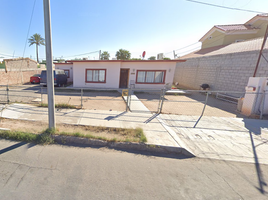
point(228, 34)
point(141, 74)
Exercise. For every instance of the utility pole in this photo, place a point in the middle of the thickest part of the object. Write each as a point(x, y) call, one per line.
point(175, 55)
point(260, 54)
point(49, 63)
point(99, 54)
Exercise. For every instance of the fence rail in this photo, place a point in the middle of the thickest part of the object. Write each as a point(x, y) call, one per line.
point(179, 102)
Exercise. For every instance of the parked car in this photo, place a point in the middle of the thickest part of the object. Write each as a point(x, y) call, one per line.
point(60, 78)
point(35, 78)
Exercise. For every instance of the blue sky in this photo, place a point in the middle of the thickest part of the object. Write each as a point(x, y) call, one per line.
point(82, 26)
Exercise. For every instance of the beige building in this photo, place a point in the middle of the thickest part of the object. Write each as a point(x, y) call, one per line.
point(227, 34)
point(15, 64)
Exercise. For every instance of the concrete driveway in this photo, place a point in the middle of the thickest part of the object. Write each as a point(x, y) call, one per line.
point(235, 139)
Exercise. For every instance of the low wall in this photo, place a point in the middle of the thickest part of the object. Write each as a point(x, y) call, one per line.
point(228, 72)
point(17, 77)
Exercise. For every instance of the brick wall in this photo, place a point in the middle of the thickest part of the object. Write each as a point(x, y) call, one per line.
point(228, 72)
point(17, 77)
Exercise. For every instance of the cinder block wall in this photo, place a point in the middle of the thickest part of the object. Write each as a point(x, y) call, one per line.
point(228, 72)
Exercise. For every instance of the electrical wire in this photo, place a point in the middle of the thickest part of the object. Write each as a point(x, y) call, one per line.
point(80, 54)
point(230, 8)
point(25, 42)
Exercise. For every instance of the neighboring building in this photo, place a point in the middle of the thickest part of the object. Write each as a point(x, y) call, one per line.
point(227, 68)
point(228, 34)
point(15, 64)
point(18, 71)
point(142, 74)
point(227, 58)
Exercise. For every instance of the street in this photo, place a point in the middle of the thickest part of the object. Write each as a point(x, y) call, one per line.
point(30, 171)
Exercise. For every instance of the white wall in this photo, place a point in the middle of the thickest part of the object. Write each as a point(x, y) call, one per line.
point(66, 66)
point(133, 67)
point(112, 74)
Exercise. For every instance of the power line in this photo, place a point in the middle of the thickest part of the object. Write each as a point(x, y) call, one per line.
point(81, 54)
point(230, 8)
point(26, 39)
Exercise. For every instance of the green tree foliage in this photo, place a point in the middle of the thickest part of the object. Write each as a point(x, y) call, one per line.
point(152, 58)
point(135, 59)
point(37, 40)
point(105, 55)
point(123, 54)
point(166, 59)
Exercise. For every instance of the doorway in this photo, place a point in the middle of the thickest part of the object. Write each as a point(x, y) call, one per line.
point(123, 78)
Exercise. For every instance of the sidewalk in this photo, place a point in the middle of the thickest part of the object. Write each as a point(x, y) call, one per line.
point(154, 131)
point(233, 139)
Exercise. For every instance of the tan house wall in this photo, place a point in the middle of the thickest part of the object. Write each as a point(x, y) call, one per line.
point(229, 72)
point(229, 39)
point(216, 39)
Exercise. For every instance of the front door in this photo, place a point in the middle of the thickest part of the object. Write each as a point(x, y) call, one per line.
point(123, 78)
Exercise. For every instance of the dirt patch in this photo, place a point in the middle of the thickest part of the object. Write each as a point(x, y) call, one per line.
point(38, 127)
point(191, 104)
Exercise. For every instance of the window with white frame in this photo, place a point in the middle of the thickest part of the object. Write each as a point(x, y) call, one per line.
point(150, 76)
point(96, 75)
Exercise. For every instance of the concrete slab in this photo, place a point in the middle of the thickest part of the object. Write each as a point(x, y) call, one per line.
point(234, 139)
point(136, 105)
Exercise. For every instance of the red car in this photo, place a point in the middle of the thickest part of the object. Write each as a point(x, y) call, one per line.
point(35, 78)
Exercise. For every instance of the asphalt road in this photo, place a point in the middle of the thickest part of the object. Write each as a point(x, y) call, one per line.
point(61, 172)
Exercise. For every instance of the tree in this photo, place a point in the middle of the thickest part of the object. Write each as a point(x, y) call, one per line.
point(123, 54)
point(135, 59)
point(105, 55)
point(166, 59)
point(152, 58)
point(37, 40)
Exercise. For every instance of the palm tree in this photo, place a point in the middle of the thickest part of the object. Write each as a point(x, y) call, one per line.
point(38, 40)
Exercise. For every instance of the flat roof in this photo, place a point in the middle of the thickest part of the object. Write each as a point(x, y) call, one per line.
point(134, 61)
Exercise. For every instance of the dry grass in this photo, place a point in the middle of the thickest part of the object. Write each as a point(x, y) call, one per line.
point(93, 132)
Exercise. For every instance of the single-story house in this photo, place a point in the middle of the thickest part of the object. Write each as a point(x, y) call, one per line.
point(142, 74)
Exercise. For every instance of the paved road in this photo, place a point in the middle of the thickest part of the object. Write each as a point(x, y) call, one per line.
point(61, 172)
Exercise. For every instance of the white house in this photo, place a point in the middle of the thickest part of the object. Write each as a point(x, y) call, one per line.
point(142, 74)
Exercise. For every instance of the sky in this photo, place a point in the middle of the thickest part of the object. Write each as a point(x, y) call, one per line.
point(85, 26)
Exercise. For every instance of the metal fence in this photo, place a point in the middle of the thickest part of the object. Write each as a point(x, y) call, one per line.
point(178, 102)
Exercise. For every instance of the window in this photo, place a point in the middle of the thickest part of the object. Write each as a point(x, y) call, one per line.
point(150, 76)
point(67, 72)
point(95, 75)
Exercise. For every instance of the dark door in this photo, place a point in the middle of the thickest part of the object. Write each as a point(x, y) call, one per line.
point(123, 78)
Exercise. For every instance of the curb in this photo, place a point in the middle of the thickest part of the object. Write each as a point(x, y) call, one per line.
point(72, 140)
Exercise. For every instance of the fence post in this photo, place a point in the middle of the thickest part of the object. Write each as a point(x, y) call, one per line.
point(8, 95)
point(127, 98)
point(263, 102)
point(162, 98)
point(202, 110)
point(81, 98)
point(41, 95)
point(129, 101)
